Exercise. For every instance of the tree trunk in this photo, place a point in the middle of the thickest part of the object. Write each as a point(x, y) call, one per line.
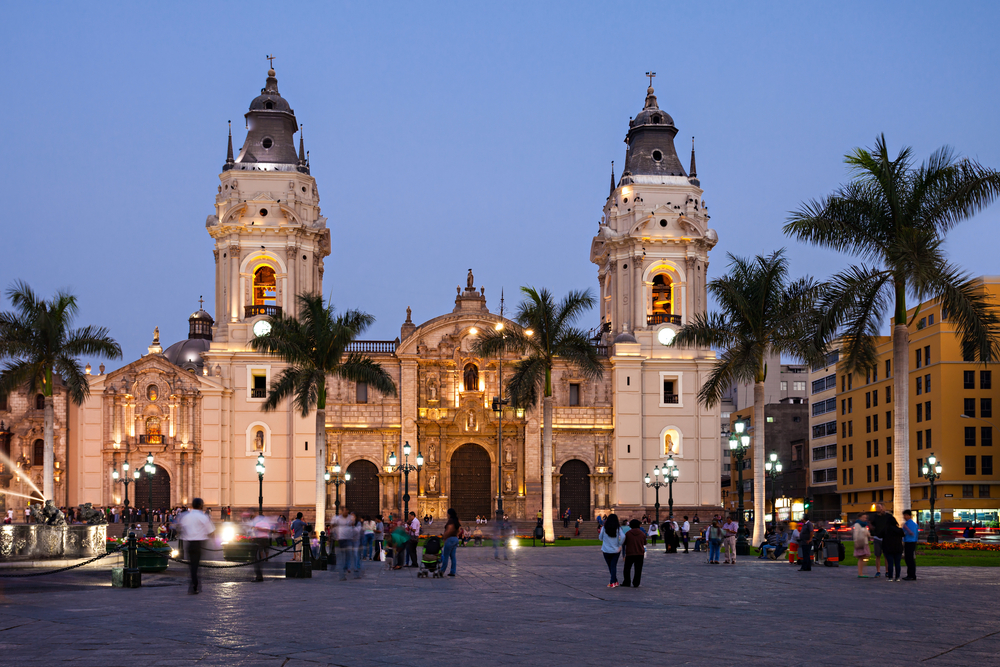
point(901, 420)
point(320, 523)
point(759, 424)
point(48, 467)
point(550, 533)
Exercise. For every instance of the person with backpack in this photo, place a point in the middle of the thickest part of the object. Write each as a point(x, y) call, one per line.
point(612, 537)
point(805, 544)
point(714, 535)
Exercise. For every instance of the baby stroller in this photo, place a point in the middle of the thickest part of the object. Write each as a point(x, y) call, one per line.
point(431, 560)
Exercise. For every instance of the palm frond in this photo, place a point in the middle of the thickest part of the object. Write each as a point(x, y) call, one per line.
point(360, 368)
point(974, 312)
point(525, 383)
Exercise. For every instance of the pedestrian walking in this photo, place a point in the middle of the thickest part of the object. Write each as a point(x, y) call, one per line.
point(685, 533)
point(892, 547)
point(654, 532)
point(260, 527)
point(612, 537)
point(411, 544)
point(805, 544)
point(635, 553)
point(879, 522)
point(566, 517)
point(910, 545)
point(450, 536)
point(577, 533)
point(195, 528)
point(730, 528)
point(715, 535)
point(341, 527)
point(668, 537)
point(378, 536)
point(861, 536)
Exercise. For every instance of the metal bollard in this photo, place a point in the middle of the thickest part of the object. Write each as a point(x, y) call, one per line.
point(321, 562)
point(132, 577)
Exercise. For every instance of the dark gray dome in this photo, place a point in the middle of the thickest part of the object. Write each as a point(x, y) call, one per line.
point(625, 337)
point(187, 354)
point(650, 142)
point(269, 94)
point(270, 143)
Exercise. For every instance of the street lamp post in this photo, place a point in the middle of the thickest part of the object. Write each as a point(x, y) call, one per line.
point(406, 467)
point(124, 479)
point(336, 480)
point(498, 404)
point(670, 472)
point(772, 469)
point(260, 484)
point(739, 443)
point(932, 470)
point(150, 471)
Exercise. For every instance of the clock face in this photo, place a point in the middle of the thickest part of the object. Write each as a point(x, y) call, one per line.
point(665, 336)
point(261, 328)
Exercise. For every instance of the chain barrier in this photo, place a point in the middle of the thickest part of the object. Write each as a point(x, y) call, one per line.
point(62, 569)
point(224, 567)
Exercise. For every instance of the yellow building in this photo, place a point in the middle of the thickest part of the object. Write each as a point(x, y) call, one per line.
point(951, 412)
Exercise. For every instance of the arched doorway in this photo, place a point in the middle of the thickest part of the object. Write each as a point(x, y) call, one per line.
point(361, 493)
point(574, 489)
point(161, 490)
point(471, 492)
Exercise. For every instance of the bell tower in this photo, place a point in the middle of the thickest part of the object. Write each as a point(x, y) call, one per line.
point(651, 252)
point(270, 238)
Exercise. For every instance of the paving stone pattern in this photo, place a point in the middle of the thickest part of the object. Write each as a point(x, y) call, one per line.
point(544, 607)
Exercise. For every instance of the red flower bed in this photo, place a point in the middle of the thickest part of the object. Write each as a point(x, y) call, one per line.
point(961, 546)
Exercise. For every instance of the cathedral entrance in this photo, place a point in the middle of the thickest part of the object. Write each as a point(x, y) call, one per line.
point(574, 489)
point(471, 492)
point(161, 490)
point(361, 493)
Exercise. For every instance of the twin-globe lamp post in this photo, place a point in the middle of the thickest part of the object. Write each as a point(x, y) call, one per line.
point(772, 468)
point(406, 467)
point(337, 480)
point(150, 471)
point(126, 480)
point(932, 470)
point(670, 472)
point(739, 443)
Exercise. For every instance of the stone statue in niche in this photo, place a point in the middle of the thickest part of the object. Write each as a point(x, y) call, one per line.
point(600, 457)
point(432, 389)
point(471, 377)
point(258, 440)
point(432, 454)
point(470, 423)
point(508, 453)
point(668, 444)
point(508, 484)
point(432, 482)
point(333, 456)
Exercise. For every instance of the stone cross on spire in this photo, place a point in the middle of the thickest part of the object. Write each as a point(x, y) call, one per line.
point(651, 75)
point(270, 60)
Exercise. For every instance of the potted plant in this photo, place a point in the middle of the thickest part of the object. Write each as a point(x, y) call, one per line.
point(242, 549)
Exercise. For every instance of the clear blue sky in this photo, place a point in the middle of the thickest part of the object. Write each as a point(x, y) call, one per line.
point(450, 136)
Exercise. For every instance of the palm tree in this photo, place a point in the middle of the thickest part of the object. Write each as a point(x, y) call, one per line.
point(546, 333)
point(762, 314)
point(895, 217)
point(315, 345)
point(37, 344)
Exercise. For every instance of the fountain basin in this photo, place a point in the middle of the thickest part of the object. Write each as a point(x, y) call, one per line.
point(39, 542)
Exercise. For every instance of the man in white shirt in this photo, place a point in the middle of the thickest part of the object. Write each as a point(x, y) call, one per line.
point(685, 533)
point(730, 528)
point(342, 531)
point(260, 529)
point(195, 529)
point(411, 546)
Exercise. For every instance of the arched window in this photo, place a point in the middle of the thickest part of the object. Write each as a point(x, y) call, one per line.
point(153, 435)
point(662, 295)
point(265, 287)
point(39, 402)
point(38, 452)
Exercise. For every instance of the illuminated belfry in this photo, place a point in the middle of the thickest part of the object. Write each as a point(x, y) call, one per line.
point(651, 251)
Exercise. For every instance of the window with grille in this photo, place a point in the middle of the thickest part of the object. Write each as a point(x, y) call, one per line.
point(920, 412)
point(970, 436)
point(967, 491)
point(969, 379)
point(927, 383)
point(850, 475)
point(985, 379)
point(868, 449)
point(888, 446)
point(875, 398)
point(987, 465)
point(986, 436)
point(869, 473)
point(825, 452)
point(824, 476)
point(920, 439)
point(920, 357)
point(888, 394)
point(927, 355)
point(888, 471)
point(888, 368)
point(970, 407)
point(927, 410)
point(823, 407)
point(868, 399)
point(868, 424)
point(875, 422)
point(850, 452)
point(825, 429)
point(970, 465)
point(875, 470)
point(824, 383)
point(927, 438)
point(986, 407)
point(875, 447)
point(984, 490)
point(920, 385)
point(850, 429)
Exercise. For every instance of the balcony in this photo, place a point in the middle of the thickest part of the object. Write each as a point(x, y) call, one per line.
point(253, 311)
point(258, 393)
point(672, 399)
point(151, 439)
point(662, 318)
point(372, 346)
point(601, 350)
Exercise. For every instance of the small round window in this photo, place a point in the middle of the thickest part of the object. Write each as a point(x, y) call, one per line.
point(663, 223)
point(657, 155)
point(267, 143)
point(625, 200)
point(263, 212)
point(303, 189)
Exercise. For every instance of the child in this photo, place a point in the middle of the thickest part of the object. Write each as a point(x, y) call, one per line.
point(635, 551)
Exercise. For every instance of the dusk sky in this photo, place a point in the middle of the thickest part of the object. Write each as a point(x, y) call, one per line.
point(445, 137)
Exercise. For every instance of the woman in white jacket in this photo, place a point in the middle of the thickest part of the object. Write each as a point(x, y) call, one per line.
point(612, 537)
point(861, 536)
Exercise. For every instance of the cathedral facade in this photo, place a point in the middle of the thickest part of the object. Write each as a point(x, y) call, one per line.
point(196, 406)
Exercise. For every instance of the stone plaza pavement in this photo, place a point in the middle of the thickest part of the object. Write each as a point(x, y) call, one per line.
point(545, 607)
